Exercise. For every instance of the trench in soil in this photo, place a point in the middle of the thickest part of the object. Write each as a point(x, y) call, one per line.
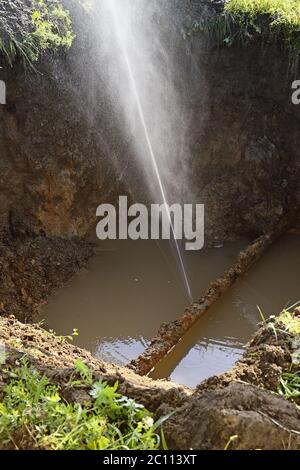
point(131, 287)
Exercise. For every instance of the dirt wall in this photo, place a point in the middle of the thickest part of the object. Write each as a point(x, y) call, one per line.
point(63, 149)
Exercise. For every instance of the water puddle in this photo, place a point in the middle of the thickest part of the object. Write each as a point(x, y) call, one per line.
point(216, 342)
point(131, 287)
point(128, 290)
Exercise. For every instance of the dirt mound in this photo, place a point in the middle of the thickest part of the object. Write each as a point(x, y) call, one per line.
point(256, 418)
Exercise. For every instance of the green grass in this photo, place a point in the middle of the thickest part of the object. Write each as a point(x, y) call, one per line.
point(34, 415)
point(32, 27)
point(289, 387)
point(290, 321)
point(287, 325)
point(243, 21)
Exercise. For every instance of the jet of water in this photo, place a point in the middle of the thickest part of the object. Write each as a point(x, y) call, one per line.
point(113, 8)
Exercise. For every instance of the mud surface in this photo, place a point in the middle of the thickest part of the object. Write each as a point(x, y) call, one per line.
point(205, 418)
point(32, 267)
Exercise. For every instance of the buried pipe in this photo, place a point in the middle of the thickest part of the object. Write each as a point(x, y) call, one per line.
point(171, 333)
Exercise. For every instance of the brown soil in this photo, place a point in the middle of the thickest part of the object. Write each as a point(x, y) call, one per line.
point(56, 167)
point(32, 267)
point(205, 418)
point(56, 358)
point(242, 402)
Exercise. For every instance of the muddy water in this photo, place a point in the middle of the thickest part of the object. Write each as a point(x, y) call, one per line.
point(217, 340)
point(129, 289)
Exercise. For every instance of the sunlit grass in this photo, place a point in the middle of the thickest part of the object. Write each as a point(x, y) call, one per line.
point(290, 320)
point(243, 21)
point(42, 26)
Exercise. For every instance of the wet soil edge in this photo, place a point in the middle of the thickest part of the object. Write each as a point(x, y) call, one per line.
point(32, 267)
point(240, 402)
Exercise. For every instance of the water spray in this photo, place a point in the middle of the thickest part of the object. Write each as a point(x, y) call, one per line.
point(112, 8)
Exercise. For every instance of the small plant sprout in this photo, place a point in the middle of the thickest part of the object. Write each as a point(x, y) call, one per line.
point(268, 323)
point(289, 386)
point(84, 372)
point(64, 338)
point(262, 316)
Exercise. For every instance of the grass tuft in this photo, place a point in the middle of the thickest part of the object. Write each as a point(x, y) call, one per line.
point(34, 415)
point(31, 27)
point(289, 387)
point(244, 21)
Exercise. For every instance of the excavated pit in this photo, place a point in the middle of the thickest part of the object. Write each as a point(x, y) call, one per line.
point(219, 338)
point(71, 152)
